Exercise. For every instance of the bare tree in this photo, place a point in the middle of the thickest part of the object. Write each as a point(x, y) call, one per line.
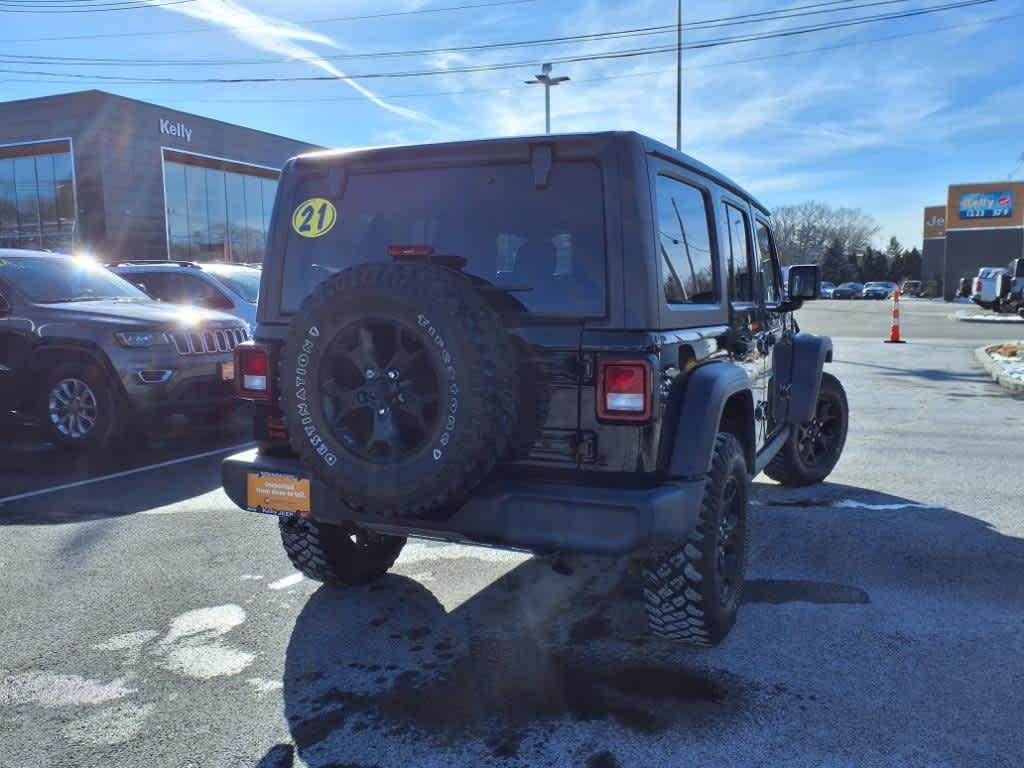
point(803, 232)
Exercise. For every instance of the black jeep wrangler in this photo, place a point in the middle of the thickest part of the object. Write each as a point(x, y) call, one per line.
point(558, 344)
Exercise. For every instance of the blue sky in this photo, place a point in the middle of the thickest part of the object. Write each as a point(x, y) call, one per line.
point(880, 124)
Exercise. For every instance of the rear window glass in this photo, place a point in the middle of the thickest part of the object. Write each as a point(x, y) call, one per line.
point(545, 245)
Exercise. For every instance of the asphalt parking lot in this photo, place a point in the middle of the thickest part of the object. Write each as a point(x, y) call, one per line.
point(149, 622)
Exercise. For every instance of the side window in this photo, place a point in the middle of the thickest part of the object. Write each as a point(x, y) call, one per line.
point(155, 284)
point(684, 240)
point(768, 260)
point(195, 290)
point(740, 284)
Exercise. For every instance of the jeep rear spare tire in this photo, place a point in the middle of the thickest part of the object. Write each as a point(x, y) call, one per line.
point(399, 387)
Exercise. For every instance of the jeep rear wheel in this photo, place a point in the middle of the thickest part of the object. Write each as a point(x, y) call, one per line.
point(334, 554)
point(813, 449)
point(693, 593)
point(399, 387)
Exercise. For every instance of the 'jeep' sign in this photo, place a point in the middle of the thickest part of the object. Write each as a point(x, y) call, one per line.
point(179, 129)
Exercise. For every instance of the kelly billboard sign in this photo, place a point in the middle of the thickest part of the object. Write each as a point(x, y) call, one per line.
point(996, 204)
point(986, 205)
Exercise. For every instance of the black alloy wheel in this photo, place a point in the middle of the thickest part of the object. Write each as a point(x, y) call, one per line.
point(380, 391)
point(818, 440)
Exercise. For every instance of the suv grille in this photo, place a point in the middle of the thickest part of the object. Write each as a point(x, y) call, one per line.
point(209, 342)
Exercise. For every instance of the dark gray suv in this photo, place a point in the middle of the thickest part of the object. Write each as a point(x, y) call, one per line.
point(86, 352)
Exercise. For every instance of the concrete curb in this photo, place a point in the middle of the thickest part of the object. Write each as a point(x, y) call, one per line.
point(995, 370)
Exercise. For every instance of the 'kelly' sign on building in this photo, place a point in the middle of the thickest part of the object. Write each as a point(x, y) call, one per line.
point(175, 129)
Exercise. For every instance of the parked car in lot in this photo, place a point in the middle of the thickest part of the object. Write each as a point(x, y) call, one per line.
point(827, 289)
point(86, 353)
point(985, 290)
point(911, 288)
point(848, 291)
point(878, 290)
point(438, 354)
point(1010, 289)
point(231, 288)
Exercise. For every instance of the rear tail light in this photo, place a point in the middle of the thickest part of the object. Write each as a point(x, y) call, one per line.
point(624, 390)
point(977, 286)
point(252, 371)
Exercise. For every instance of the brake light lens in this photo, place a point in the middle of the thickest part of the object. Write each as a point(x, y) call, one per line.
point(977, 286)
point(252, 371)
point(624, 390)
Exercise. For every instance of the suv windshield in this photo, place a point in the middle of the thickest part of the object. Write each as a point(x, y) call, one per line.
point(245, 281)
point(544, 244)
point(51, 279)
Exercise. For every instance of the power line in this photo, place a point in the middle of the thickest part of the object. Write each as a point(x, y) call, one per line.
point(10, 6)
point(776, 15)
point(628, 53)
point(514, 65)
point(650, 73)
point(207, 30)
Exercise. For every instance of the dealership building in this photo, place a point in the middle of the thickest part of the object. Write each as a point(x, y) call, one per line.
point(125, 179)
point(981, 225)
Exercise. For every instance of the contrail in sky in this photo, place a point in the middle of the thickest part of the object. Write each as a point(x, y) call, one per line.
point(278, 36)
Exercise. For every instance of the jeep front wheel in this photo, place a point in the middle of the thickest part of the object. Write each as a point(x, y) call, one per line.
point(692, 593)
point(813, 449)
point(335, 554)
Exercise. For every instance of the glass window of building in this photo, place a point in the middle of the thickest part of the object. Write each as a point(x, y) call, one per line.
point(37, 198)
point(216, 214)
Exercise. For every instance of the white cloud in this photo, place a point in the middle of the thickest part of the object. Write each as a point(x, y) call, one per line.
point(282, 37)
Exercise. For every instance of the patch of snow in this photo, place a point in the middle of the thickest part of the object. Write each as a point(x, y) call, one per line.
point(110, 726)
point(49, 689)
point(251, 576)
point(978, 317)
point(422, 576)
point(287, 581)
point(853, 504)
point(210, 622)
point(263, 685)
point(204, 661)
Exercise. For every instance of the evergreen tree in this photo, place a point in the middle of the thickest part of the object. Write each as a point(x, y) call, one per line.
point(834, 264)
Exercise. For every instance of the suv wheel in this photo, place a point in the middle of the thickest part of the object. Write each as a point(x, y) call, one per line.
point(693, 593)
point(77, 407)
point(813, 450)
point(337, 554)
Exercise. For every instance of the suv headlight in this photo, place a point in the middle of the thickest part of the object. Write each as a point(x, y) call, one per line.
point(139, 339)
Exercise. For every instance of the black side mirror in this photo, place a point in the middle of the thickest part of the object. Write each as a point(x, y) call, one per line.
point(1003, 283)
point(1018, 270)
point(804, 282)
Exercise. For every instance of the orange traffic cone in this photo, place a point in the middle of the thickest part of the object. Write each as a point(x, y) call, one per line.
point(894, 331)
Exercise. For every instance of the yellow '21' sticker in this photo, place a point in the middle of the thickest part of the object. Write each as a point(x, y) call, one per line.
point(314, 217)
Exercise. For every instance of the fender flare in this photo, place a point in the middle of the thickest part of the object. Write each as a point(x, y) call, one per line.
point(809, 355)
point(697, 414)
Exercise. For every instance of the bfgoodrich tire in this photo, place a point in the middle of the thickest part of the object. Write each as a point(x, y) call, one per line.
point(337, 554)
point(692, 593)
point(813, 449)
point(399, 387)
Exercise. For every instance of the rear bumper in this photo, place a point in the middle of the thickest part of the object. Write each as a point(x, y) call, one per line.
point(520, 515)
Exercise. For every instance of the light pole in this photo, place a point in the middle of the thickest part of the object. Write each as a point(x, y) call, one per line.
point(545, 79)
point(679, 75)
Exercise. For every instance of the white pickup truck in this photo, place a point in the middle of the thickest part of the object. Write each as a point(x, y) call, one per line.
point(985, 292)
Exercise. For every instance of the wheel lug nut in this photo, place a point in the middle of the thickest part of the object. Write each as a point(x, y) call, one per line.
point(382, 412)
point(371, 374)
point(393, 374)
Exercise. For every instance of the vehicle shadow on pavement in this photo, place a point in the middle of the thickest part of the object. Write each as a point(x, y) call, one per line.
point(928, 374)
point(117, 497)
point(369, 671)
